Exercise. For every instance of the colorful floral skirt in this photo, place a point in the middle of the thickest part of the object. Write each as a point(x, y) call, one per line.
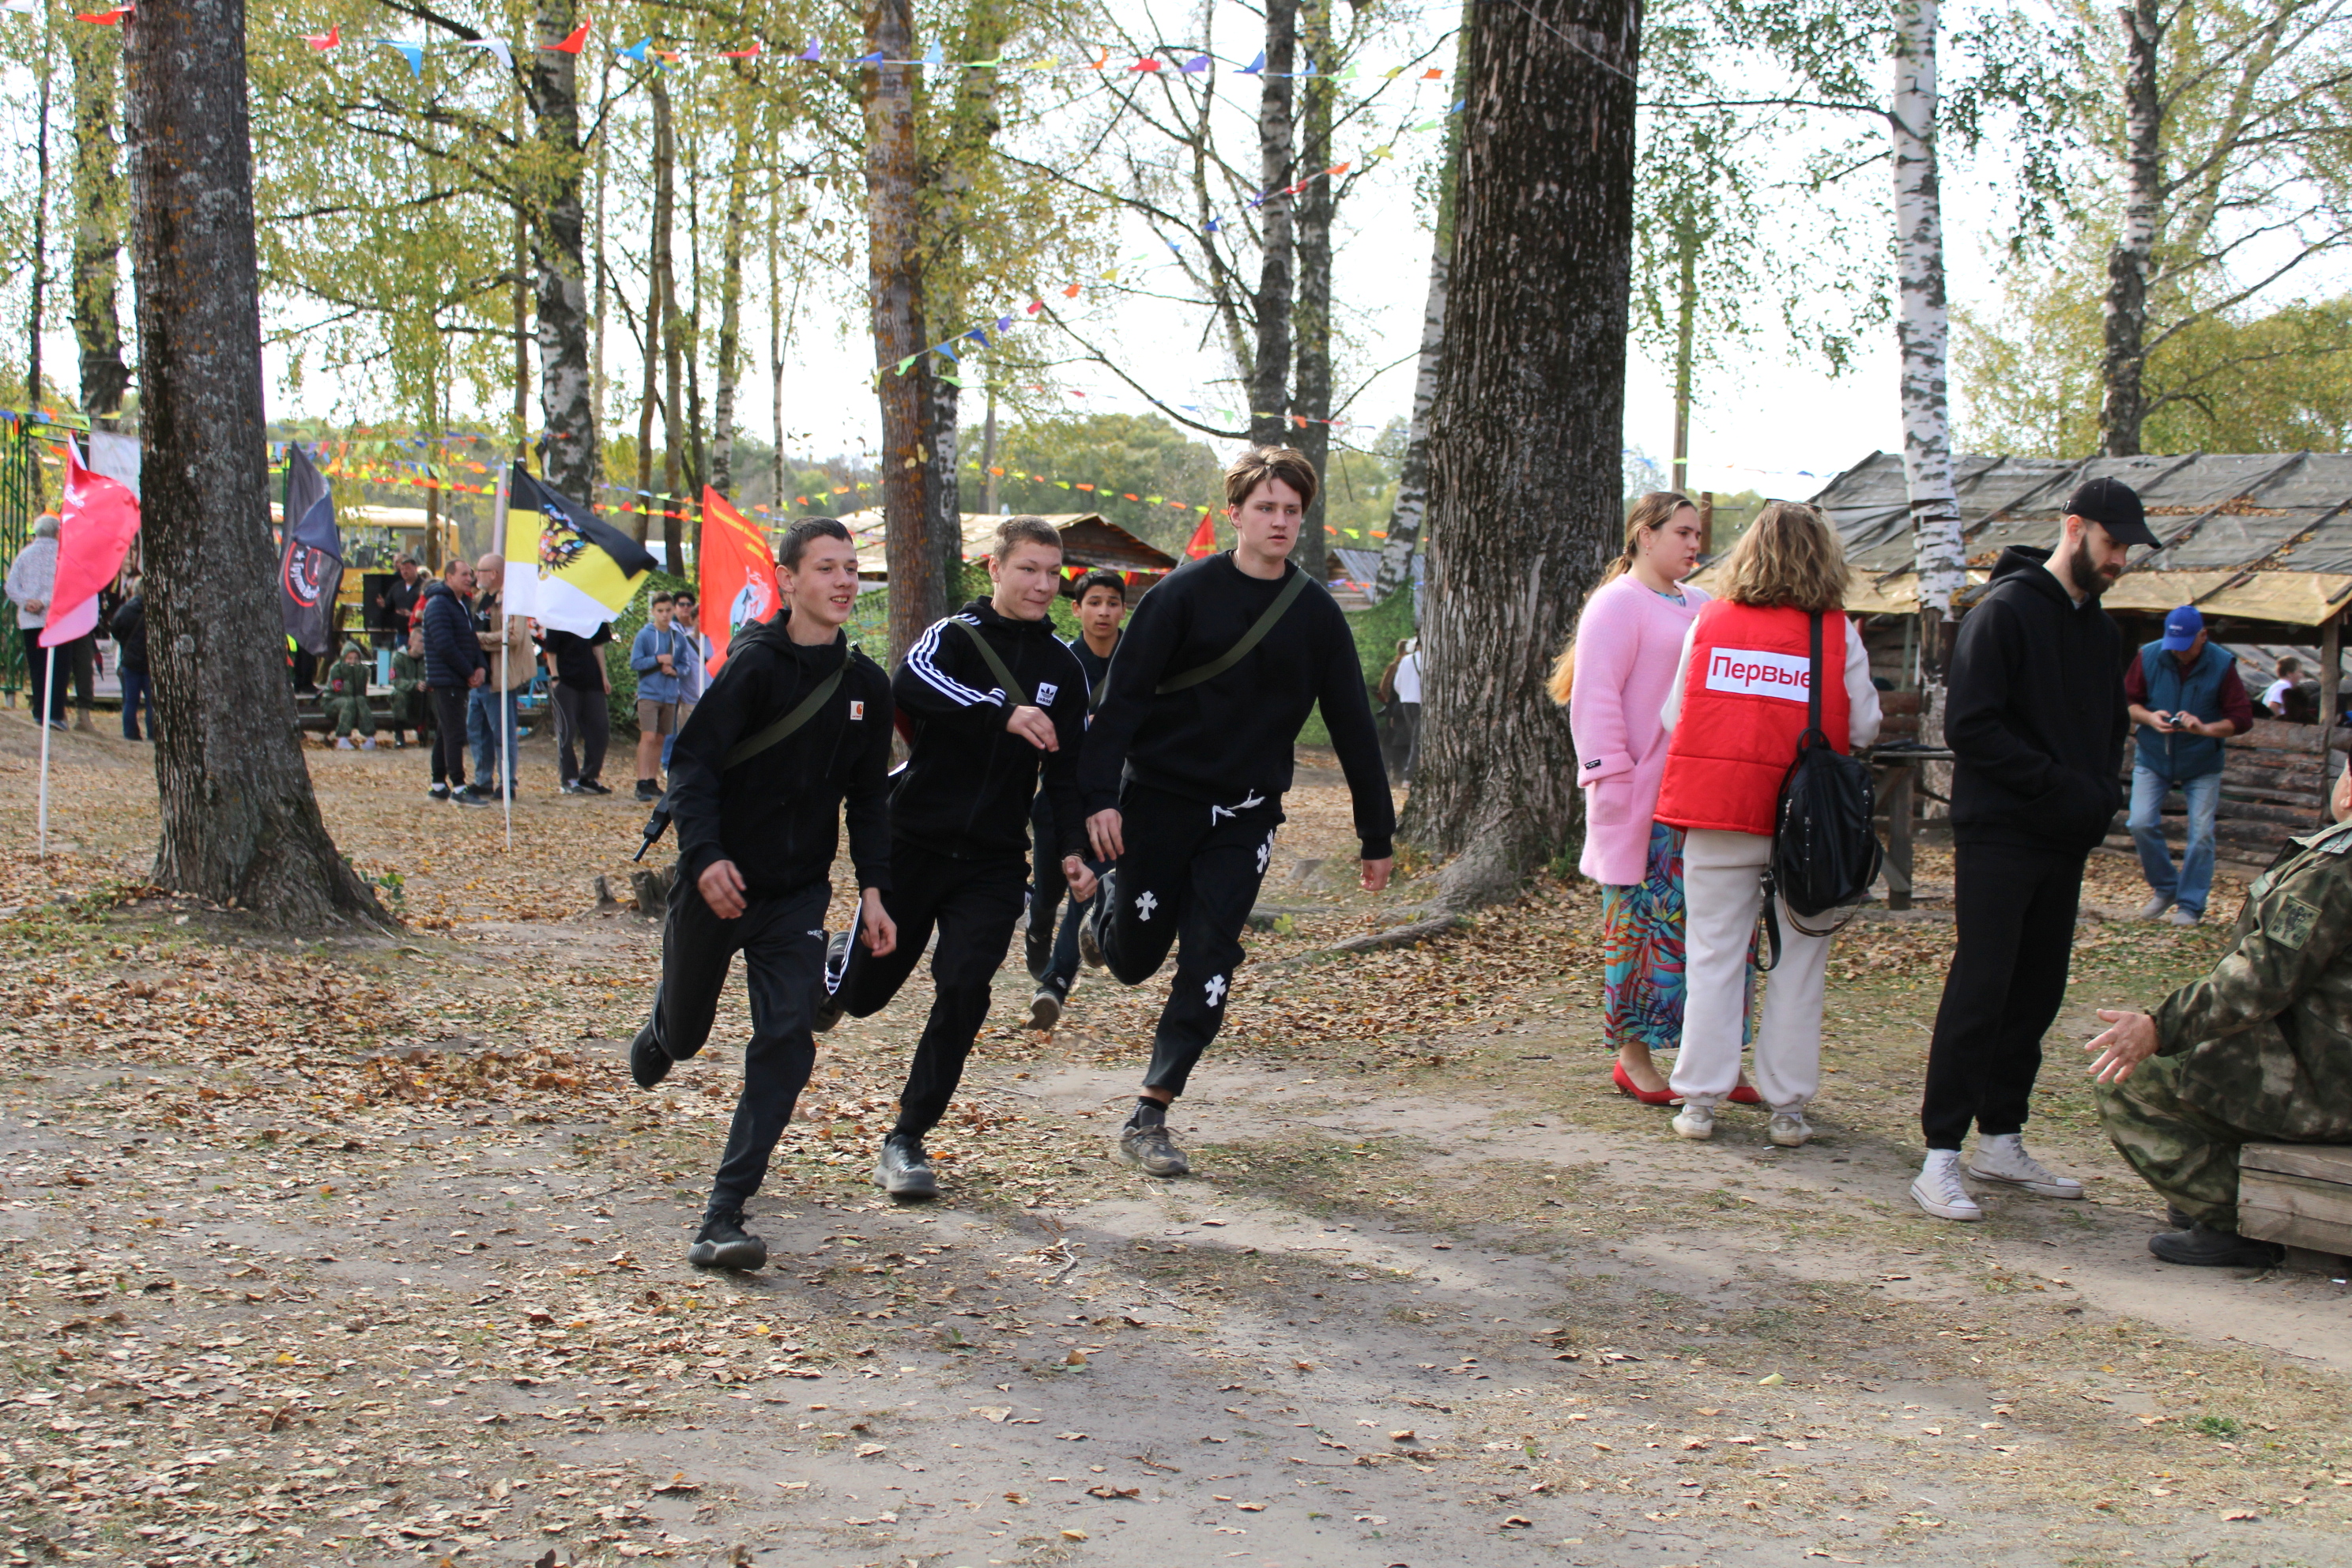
point(1641, 951)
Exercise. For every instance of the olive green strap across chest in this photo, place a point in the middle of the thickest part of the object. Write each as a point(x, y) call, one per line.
point(751, 745)
point(1249, 639)
point(996, 665)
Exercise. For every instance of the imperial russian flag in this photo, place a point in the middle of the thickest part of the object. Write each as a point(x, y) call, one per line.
point(586, 570)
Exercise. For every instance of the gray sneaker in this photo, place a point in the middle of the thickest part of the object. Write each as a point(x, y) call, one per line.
point(1151, 1151)
point(1046, 1009)
point(2155, 907)
point(2183, 916)
point(904, 1170)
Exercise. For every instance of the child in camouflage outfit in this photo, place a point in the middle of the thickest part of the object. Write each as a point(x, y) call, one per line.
point(346, 700)
point(408, 688)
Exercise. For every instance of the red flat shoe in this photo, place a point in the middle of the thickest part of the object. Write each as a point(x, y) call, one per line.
point(1745, 1095)
point(1647, 1097)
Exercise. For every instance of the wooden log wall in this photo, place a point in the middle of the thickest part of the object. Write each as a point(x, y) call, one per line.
point(2272, 787)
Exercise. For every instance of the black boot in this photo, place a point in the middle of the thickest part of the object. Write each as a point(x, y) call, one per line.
point(723, 1243)
point(2203, 1246)
point(648, 1063)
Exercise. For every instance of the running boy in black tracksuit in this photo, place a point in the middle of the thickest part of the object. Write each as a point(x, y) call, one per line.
point(960, 820)
point(796, 724)
point(1052, 961)
point(1189, 756)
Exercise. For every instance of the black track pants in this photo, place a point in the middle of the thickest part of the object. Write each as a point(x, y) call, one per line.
point(449, 735)
point(782, 939)
point(972, 903)
point(1188, 880)
point(2015, 911)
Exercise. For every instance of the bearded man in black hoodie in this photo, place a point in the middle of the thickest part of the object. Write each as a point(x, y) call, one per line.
point(796, 724)
point(2036, 720)
point(994, 698)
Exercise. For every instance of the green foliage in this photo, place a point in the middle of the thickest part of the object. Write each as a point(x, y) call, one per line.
point(1378, 631)
point(1046, 462)
point(2216, 1426)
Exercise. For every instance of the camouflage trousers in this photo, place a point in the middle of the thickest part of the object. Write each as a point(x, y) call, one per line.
point(350, 714)
point(2186, 1153)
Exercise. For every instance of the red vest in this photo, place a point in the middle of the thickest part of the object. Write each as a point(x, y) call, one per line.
point(1743, 708)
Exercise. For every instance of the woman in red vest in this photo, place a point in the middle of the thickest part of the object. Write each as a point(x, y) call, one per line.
point(1739, 703)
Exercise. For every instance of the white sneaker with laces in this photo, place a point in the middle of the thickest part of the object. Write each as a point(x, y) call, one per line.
point(1788, 1129)
point(2181, 917)
point(2003, 1159)
point(2155, 907)
point(1695, 1120)
point(1938, 1189)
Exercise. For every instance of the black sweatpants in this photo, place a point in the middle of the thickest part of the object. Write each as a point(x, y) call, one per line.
point(449, 735)
point(587, 718)
point(973, 904)
point(2016, 934)
point(782, 938)
point(1188, 880)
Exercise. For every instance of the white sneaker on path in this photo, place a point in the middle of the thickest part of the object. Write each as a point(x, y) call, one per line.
point(1695, 1120)
point(2002, 1158)
point(1788, 1129)
point(1939, 1190)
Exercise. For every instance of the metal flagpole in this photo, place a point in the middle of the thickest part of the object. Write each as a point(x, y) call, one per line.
point(506, 720)
point(48, 690)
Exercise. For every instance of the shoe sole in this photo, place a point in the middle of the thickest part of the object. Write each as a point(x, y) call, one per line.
point(2039, 1189)
point(1695, 1134)
point(1044, 1012)
point(739, 1256)
point(1945, 1211)
point(2240, 1260)
point(1797, 1141)
point(909, 1189)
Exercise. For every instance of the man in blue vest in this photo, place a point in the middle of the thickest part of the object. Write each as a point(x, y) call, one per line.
point(2187, 699)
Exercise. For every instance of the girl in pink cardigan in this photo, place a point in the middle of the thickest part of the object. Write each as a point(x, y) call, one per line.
point(1614, 678)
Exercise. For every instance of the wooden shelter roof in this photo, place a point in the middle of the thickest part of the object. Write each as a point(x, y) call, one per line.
point(1089, 539)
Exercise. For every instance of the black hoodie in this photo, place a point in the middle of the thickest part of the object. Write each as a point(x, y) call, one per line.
point(968, 785)
point(777, 815)
point(2034, 713)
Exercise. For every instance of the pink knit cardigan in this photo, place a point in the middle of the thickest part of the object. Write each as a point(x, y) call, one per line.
point(1627, 644)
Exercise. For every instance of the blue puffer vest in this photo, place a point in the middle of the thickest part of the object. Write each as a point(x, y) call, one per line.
point(2196, 691)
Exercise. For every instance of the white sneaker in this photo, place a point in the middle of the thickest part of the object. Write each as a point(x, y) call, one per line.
point(1788, 1129)
point(367, 745)
point(2003, 1159)
point(1938, 1189)
point(342, 742)
point(2155, 907)
point(2181, 917)
point(1695, 1120)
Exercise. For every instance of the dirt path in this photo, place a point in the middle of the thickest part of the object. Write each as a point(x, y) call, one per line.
point(368, 1253)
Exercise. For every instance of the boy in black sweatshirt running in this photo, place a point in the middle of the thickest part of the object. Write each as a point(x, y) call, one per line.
point(992, 696)
point(1188, 758)
point(796, 724)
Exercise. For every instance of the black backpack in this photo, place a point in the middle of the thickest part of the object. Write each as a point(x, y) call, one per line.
point(1825, 849)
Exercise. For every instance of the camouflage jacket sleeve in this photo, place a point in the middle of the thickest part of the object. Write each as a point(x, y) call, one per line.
point(2296, 926)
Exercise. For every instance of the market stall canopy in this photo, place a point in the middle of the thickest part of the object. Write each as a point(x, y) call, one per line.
point(1088, 541)
point(2258, 537)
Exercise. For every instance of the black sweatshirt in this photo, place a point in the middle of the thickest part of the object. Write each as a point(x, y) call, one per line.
point(777, 815)
point(2034, 713)
point(966, 789)
point(1229, 738)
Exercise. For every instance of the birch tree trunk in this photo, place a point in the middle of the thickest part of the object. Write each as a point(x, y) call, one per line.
point(664, 155)
point(1311, 396)
point(1686, 243)
point(918, 588)
point(98, 218)
point(1406, 512)
point(570, 454)
point(731, 314)
point(37, 284)
point(2122, 404)
point(663, 306)
point(240, 825)
point(1269, 390)
point(1923, 328)
point(1525, 503)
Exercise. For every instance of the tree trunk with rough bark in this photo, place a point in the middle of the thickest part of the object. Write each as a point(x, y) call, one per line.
point(1524, 499)
point(664, 155)
point(35, 287)
point(570, 453)
point(1686, 247)
point(1310, 393)
point(1923, 328)
point(240, 825)
point(914, 554)
point(663, 307)
point(1405, 514)
point(1269, 390)
point(98, 218)
point(731, 313)
point(2122, 405)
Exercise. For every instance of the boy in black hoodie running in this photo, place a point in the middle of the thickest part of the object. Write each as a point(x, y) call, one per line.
point(1189, 756)
point(796, 725)
point(993, 696)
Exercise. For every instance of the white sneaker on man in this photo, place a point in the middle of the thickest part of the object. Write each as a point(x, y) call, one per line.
point(2155, 907)
point(1695, 1120)
point(2181, 917)
point(1938, 1189)
point(1788, 1129)
point(2003, 1159)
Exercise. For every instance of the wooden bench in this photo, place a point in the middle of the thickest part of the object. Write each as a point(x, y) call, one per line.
point(2298, 1194)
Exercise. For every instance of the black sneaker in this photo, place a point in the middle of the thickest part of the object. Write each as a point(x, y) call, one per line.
point(439, 791)
point(904, 1170)
point(723, 1243)
point(648, 1063)
point(1037, 950)
point(572, 786)
point(1151, 1151)
point(1046, 1009)
point(648, 790)
point(2203, 1246)
point(829, 1003)
point(469, 795)
point(594, 787)
point(1089, 944)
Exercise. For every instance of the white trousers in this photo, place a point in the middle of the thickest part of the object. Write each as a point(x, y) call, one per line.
point(1723, 891)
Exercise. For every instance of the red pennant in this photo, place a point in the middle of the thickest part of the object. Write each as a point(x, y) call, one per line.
point(1204, 539)
point(329, 39)
point(572, 45)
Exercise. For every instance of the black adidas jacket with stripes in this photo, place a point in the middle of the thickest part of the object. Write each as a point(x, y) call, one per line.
point(967, 786)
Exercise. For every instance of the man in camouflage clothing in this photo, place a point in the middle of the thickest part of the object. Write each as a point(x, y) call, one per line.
point(2259, 1051)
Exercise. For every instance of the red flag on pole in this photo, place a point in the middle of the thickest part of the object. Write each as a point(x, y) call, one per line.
point(738, 576)
point(1204, 538)
point(94, 532)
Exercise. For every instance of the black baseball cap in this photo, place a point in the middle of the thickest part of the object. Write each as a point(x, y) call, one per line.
point(2113, 506)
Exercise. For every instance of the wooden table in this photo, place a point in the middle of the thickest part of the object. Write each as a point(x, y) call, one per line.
point(1895, 767)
